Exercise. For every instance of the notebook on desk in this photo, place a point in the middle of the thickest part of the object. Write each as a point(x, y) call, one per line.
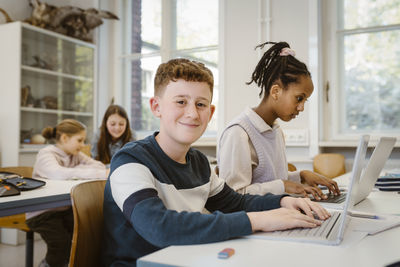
point(370, 174)
point(332, 230)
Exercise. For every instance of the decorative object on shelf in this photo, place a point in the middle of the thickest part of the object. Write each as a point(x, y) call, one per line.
point(50, 102)
point(26, 136)
point(6, 16)
point(41, 63)
point(69, 20)
point(39, 103)
point(27, 99)
point(38, 139)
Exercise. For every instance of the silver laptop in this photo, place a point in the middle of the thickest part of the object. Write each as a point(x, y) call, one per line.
point(332, 230)
point(370, 174)
point(373, 170)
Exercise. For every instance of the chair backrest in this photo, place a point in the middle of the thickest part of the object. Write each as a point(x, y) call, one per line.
point(87, 205)
point(291, 167)
point(330, 165)
point(86, 149)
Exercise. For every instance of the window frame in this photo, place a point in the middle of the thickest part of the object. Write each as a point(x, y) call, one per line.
point(332, 98)
point(166, 52)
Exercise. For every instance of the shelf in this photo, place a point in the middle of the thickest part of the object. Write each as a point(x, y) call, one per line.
point(56, 35)
point(31, 148)
point(54, 76)
point(350, 143)
point(56, 73)
point(56, 111)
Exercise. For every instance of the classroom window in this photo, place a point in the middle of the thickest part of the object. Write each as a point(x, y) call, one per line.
point(160, 30)
point(367, 90)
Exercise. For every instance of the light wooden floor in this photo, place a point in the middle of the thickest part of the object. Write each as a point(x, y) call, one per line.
point(14, 256)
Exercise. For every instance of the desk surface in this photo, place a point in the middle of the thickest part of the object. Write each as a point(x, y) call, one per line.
point(377, 250)
point(53, 194)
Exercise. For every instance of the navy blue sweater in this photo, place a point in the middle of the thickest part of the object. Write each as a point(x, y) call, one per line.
point(152, 201)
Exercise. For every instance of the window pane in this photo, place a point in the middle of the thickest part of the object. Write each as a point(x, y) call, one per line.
point(197, 23)
point(146, 26)
point(142, 77)
point(372, 82)
point(367, 13)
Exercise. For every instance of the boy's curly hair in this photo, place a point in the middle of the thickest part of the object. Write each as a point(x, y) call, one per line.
point(181, 68)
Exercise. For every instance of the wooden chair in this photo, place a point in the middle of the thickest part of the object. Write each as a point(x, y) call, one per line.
point(330, 165)
point(216, 169)
point(86, 149)
point(291, 167)
point(18, 221)
point(87, 205)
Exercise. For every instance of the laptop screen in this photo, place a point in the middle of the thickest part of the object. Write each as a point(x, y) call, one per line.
point(355, 178)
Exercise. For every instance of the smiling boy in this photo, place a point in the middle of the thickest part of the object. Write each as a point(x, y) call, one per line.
point(159, 186)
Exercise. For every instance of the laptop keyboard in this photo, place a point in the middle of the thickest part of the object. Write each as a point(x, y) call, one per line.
point(334, 198)
point(320, 231)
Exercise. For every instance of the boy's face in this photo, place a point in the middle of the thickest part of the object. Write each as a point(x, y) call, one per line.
point(184, 109)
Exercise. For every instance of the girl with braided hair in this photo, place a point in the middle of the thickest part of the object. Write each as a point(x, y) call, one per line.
point(251, 149)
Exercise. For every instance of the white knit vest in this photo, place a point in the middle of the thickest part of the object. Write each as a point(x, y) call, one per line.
point(271, 166)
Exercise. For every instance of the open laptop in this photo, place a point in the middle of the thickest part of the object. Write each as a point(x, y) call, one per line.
point(370, 174)
point(332, 230)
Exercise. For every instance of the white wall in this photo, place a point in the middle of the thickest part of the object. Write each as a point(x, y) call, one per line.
point(242, 31)
point(241, 36)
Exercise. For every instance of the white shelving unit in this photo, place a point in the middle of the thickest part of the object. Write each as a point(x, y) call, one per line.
point(60, 73)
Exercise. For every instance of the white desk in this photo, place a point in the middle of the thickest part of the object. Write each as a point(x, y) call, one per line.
point(378, 250)
point(53, 194)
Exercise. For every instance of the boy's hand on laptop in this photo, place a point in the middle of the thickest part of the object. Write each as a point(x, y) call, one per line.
point(306, 206)
point(280, 219)
point(314, 179)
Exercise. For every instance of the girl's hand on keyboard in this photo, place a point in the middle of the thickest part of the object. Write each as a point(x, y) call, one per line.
point(306, 206)
point(302, 189)
point(314, 179)
point(280, 219)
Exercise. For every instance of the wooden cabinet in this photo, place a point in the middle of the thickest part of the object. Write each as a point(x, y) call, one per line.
point(45, 78)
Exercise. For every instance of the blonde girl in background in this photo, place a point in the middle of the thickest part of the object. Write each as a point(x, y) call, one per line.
point(251, 154)
point(61, 161)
